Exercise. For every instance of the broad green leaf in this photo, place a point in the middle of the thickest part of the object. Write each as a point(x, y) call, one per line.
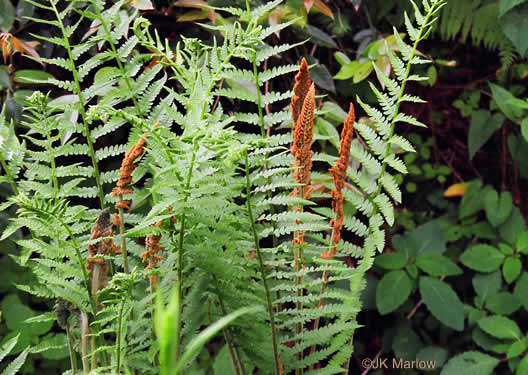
point(342, 58)
point(320, 75)
point(503, 303)
point(487, 284)
point(506, 5)
point(470, 363)
point(523, 366)
point(510, 229)
point(431, 75)
point(437, 265)
point(329, 130)
point(391, 261)
point(511, 269)
point(392, 291)
point(363, 71)
point(223, 363)
point(406, 342)
point(524, 129)
point(472, 201)
point(521, 288)
point(434, 354)
point(318, 36)
point(15, 313)
point(334, 111)
point(7, 15)
point(412, 270)
point(484, 340)
point(503, 99)
point(430, 238)
point(482, 258)
point(522, 243)
point(515, 26)
point(442, 302)
point(516, 349)
point(500, 327)
point(483, 125)
point(474, 315)
point(348, 71)
point(498, 208)
point(505, 249)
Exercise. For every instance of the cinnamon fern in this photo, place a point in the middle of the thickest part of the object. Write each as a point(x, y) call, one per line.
point(209, 230)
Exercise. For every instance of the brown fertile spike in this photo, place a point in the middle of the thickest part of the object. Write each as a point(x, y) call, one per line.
point(302, 144)
point(300, 89)
point(152, 247)
point(301, 150)
point(339, 171)
point(126, 170)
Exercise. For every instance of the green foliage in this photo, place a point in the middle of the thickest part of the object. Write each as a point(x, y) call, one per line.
point(490, 310)
point(479, 22)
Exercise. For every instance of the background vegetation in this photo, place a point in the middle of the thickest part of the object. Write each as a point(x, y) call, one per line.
point(451, 283)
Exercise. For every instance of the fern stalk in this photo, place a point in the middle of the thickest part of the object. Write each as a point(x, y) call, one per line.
point(234, 353)
point(52, 161)
point(71, 351)
point(262, 268)
point(81, 105)
point(118, 336)
point(124, 252)
point(180, 249)
point(434, 8)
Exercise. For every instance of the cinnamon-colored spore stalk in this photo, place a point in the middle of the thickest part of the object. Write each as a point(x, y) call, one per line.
point(339, 171)
point(303, 110)
point(127, 168)
point(152, 248)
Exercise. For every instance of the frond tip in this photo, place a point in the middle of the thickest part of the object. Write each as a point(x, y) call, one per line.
point(300, 90)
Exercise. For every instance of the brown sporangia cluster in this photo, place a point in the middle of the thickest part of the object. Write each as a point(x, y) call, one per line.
point(303, 109)
point(339, 171)
point(127, 168)
point(152, 248)
point(99, 266)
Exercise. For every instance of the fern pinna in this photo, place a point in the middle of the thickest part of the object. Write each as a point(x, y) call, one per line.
point(233, 222)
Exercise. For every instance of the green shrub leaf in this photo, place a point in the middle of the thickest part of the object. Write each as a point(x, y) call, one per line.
point(391, 261)
point(500, 327)
point(503, 303)
point(498, 209)
point(434, 354)
point(483, 125)
point(511, 269)
point(521, 286)
point(482, 258)
point(503, 99)
point(437, 265)
point(470, 363)
point(442, 302)
point(392, 291)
